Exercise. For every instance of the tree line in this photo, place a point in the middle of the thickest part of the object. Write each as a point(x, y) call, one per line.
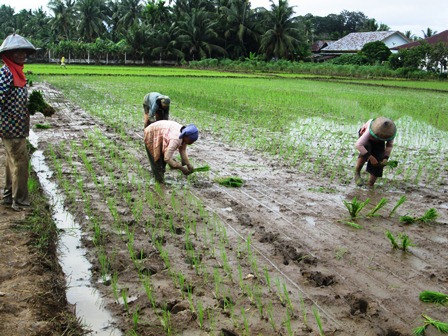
point(181, 30)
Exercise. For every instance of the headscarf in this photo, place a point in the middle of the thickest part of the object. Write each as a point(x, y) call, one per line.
point(191, 131)
point(16, 70)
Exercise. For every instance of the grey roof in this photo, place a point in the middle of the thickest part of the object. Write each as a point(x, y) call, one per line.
point(14, 42)
point(355, 41)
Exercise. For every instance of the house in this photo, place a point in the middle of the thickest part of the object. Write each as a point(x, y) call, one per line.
point(353, 42)
point(440, 37)
point(316, 49)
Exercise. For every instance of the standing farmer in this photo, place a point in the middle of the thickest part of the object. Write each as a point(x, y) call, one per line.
point(15, 119)
point(375, 143)
point(156, 107)
point(162, 139)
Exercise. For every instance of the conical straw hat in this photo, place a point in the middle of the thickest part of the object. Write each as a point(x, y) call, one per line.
point(383, 129)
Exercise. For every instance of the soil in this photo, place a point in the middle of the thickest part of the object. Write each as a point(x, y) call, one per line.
point(286, 245)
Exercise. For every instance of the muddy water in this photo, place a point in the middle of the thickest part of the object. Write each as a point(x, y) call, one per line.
point(89, 306)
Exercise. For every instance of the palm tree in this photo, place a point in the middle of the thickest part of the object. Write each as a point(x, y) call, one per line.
point(63, 18)
point(198, 35)
point(130, 12)
point(282, 38)
point(91, 19)
point(239, 30)
point(429, 32)
point(166, 45)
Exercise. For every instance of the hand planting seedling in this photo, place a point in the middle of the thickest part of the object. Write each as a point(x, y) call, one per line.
point(434, 297)
point(232, 181)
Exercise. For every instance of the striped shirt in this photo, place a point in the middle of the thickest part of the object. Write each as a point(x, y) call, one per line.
point(14, 116)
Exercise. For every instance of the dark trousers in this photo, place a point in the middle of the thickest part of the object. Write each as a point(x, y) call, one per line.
point(158, 167)
point(375, 148)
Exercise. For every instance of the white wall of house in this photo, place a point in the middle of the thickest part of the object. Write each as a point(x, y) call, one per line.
point(394, 40)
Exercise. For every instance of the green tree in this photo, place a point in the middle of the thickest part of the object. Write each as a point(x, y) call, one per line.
point(63, 18)
point(91, 19)
point(376, 52)
point(282, 38)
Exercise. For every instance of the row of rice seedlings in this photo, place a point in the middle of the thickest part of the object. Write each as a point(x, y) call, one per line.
point(405, 241)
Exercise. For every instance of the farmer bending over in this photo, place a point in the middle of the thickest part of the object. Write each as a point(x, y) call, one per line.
point(162, 139)
point(374, 144)
point(156, 107)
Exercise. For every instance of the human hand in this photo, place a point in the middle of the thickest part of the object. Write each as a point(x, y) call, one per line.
point(190, 167)
point(185, 170)
point(384, 162)
point(373, 161)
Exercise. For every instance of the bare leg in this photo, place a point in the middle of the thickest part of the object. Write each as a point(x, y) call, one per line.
point(372, 180)
point(359, 164)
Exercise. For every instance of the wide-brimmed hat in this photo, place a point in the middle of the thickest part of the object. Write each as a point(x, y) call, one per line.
point(191, 131)
point(17, 42)
point(383, 129)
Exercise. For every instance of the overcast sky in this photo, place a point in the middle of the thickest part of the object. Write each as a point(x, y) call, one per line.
point(402, 15)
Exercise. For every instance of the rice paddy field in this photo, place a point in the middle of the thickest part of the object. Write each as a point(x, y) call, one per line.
point(280, 254)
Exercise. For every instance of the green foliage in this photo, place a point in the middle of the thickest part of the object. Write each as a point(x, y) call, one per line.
point(433, 297)
point(400, 201)
point(376, 52)
point(392, 163)
point(354, 207)
point(350, 59)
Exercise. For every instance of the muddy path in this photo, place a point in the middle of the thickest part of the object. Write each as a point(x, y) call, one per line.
point(293, 224)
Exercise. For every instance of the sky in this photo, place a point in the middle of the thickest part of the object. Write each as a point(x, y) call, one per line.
point(401, 15)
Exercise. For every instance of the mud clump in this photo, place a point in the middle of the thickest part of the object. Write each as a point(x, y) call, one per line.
point(319, 279)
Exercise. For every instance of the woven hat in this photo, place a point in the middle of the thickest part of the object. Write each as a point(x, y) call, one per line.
point(383, 129)
point(15, 42)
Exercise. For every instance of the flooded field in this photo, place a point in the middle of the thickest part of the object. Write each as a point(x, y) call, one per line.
point(274, 257)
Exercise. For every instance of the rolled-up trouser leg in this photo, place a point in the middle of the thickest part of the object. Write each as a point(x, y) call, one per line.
point(17, 161)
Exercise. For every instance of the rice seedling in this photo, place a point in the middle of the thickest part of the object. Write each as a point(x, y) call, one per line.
point(352, 224)
point(404, 244)
point(354, 207)
point(429, 216)
point(245, 321)
point(201, 169)
point(442, 327)
point(401, 200)
point(271, 317)
point(165, 320)
point(433, 297)
point(232, 181)
point(379, 206)
point(287, 323)
point(200, 313)
point(135, 317)
point(392, 163)
point(42, 126)
point(318, 321)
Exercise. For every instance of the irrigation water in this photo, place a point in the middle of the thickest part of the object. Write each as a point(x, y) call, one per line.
point(89, 306)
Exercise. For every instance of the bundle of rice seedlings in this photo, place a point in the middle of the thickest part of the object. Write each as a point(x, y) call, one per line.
point(36, 103)
point(232, 181)
point(42, 126)
point(391, 237)
point(434, 297)
point(201, 169)
point(408, 219)
point(392, 163)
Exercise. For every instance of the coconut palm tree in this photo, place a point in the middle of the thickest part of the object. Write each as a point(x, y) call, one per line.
point(63, 18)
point(197, 34)
point(91, 19)
point(428, 33)
point(282, 38)
point(239, 30)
